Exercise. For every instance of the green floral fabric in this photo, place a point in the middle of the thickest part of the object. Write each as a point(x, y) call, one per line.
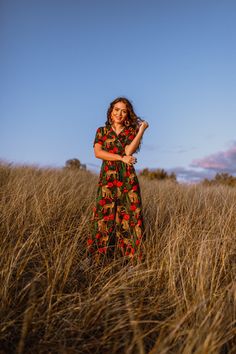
point(117, 219)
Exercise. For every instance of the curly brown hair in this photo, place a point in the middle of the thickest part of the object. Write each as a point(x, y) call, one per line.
point(132, 119)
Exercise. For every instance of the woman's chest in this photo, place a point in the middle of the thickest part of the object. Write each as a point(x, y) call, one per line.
point(113, 142)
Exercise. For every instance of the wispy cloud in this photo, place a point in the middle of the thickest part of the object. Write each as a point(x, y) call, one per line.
point(207, 167)
point(190, 175)
point(222, 161)
point(178, 149)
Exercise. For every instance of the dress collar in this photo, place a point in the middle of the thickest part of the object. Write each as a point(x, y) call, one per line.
point(125, 131)
point(119, 132)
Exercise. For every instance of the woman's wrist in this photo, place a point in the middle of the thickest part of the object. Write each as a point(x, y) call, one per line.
point(140, 133)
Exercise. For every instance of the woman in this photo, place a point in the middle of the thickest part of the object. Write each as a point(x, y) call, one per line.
point(117, 216)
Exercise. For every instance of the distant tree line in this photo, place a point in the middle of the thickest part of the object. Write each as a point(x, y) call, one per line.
point(75, 164)
point(158, 174)
point(221, 178)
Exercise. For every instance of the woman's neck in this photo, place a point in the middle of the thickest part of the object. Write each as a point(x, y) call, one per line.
point(117, 126)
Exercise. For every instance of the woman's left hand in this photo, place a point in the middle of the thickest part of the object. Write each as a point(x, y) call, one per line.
point(144, 125)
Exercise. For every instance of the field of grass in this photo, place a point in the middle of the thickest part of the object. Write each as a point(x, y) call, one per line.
point(181, 299)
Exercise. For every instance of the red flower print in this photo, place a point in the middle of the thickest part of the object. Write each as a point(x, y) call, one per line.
point(106, 168)
point(126, 132)
point(119, 183)
point(132, 250)
point(102, 202)
point(106, 218)
point(137, 242)
point(125, 190)
point(127, 174)
point(133, 207)
point(126, 216)
point(110, 184)
point(90, 241)
point(111, 216)
point(135, 187)
point(131, 137)
point(121, 243)
point(115, 182)
point(98, 236)
point(139, 222)
point(102, 249)
point(104, 138)
point(115, 149)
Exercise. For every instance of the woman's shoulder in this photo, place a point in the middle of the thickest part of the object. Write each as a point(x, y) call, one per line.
point(99, 131)
point(100, 128)
point(103, 129)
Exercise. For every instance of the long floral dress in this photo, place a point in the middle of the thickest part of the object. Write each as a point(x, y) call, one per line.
point(117, 219)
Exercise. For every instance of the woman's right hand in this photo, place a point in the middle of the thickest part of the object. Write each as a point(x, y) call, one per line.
point(129, 159)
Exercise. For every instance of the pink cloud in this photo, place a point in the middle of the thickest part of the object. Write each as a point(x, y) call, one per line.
point(220, 161)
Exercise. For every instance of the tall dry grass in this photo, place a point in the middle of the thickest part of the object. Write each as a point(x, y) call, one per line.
point(181, 299)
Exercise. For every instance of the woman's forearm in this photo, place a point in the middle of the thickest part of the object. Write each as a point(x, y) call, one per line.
point(132, 147)
point(104, 155)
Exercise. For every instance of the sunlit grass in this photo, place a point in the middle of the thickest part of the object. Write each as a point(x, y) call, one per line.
point(181, 299)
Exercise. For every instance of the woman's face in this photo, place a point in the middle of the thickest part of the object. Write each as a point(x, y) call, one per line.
point(119, 113)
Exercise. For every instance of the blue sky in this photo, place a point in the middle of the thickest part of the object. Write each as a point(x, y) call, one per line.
point(62, 62)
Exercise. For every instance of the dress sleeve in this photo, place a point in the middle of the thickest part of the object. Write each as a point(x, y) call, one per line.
point(98, 137)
